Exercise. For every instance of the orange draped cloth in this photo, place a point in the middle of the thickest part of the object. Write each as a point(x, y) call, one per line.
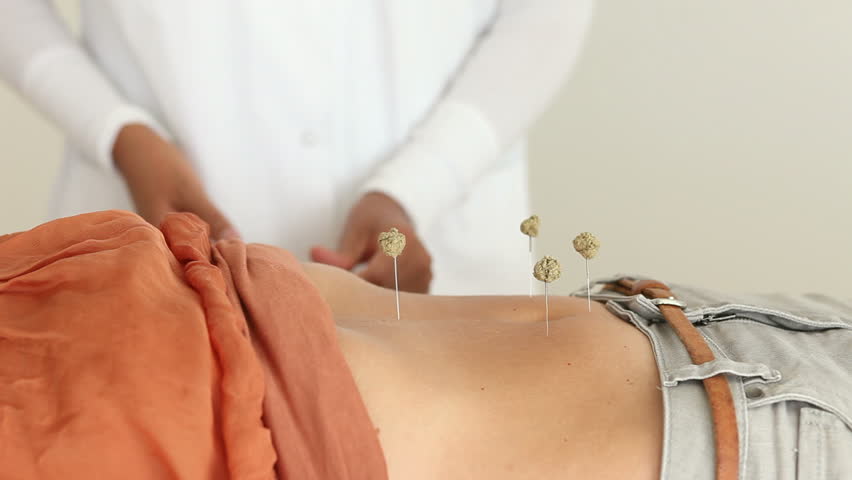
point(127, 352)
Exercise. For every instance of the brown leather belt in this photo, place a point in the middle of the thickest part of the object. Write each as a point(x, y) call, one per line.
point(725, 432)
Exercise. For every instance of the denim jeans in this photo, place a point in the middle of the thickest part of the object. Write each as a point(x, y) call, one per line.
point(788, 360)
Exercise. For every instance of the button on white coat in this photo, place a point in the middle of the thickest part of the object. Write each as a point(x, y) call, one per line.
point(309, 139)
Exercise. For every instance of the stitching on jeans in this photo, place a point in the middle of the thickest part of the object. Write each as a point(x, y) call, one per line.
point(745, 430)
point(835, 422)
point(832, 322)
point(821, 456)
point(807, 399)
point(713, 342)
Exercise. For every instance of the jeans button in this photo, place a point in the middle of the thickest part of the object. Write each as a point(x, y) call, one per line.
point(754, 392)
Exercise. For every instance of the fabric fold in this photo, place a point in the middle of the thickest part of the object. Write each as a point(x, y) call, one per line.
point(136, 353)
point(319, 423)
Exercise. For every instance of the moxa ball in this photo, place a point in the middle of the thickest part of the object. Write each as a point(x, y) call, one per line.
point(547, 270)
point(587, 245)
point(530, 226)
point(392, 242)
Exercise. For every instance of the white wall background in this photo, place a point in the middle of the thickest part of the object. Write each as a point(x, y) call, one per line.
point(704, 142)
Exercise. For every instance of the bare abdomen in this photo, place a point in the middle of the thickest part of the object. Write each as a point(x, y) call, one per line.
point(483, 395)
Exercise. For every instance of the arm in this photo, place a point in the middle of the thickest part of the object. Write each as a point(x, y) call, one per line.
point(40, 58)
point(508, 79)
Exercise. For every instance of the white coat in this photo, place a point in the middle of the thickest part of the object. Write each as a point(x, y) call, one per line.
point(291, 110)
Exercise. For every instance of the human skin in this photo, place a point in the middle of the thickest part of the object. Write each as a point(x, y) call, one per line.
point(160, 180)
point(472, 388)
point(373, 214)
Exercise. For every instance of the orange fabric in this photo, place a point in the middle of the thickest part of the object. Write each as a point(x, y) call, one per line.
point(124, 356)
point(319, 423)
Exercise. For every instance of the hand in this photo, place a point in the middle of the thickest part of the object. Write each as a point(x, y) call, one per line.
point(160, 180)
point(375, 213)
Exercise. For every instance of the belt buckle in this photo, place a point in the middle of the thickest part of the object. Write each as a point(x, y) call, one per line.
point(668, 301)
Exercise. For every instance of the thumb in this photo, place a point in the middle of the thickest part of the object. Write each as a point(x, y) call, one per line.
point(220, 227)
point(153, 212)
point(331, 257)
point(353, 249)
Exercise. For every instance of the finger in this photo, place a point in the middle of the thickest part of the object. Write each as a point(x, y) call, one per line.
point(416, 274)
point(379, 271)
point(354, 248)
point(220, 227)
point(415, 269)
point(331, 257)
point(154, 213)
point(356, 245)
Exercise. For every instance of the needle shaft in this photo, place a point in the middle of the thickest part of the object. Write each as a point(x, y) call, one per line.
point(546, 311)
point(588, 286)
point(529, 271)
point(396, 283)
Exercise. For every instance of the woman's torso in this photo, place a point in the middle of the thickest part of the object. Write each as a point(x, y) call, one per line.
point(295, 104)
point(474, 388)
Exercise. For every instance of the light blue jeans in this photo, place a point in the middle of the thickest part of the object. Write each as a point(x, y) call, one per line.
point(788, 360)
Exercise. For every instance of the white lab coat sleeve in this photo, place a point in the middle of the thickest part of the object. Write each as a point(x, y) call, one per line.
point(507, 80)
point(42, 60)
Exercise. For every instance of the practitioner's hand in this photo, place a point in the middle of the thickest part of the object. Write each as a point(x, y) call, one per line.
point(375, 213)
point(160, 180)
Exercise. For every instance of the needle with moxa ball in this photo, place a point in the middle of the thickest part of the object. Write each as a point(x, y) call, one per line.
point(547, 270)
point(529, 227)
point(393, 243)
point(587, 246)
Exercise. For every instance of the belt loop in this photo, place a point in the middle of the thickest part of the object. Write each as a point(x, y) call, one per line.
point(722, 411)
